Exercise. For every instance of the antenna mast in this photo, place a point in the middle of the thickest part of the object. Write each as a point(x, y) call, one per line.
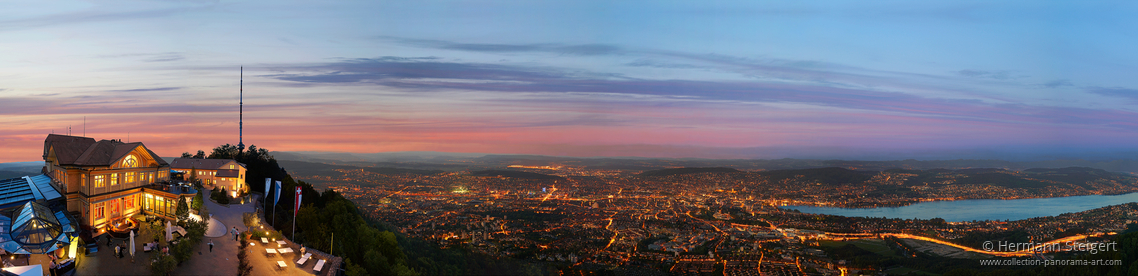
point(241, 113)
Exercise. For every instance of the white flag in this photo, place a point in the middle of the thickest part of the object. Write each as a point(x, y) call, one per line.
point(278, 195)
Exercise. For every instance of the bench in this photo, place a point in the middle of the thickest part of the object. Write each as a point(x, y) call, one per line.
point(319, 265)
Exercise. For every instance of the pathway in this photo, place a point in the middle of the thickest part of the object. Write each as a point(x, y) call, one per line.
point(223, 259)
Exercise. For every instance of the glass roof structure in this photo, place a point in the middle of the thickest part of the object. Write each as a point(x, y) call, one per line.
point(17, 191)
point(36, 228)
point(32, 227)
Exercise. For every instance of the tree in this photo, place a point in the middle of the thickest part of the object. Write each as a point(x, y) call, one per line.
point(162, 264)
point(200, 155)
point(193, 174)
point(183, 211)
point(198, 201)
point(187, 155)
point(226, 151)
point(354, 269)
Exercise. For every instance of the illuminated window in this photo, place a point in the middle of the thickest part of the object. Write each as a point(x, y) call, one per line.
point(129, 178)
point(128, 203)
point(114, 179)
point(152, 177)
point(130, 161)
point(114, 207)
point(99, 211)
point(230, 167)
point(100, 181)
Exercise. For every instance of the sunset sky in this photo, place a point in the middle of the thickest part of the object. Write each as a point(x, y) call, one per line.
point(710, 79)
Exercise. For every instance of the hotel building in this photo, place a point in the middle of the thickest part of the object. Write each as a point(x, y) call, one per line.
point(225, 173)
point(108, 180)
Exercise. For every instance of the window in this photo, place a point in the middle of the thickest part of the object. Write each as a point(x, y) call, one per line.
point(114, 179)
point(129, 178)
point(128, 202)
point(114, 207)
point(230, 167)
point(99, 211)
point(130, 161)
point(100, 181)
point(152, 178)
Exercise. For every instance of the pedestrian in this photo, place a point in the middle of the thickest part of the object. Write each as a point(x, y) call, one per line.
point(210, 245)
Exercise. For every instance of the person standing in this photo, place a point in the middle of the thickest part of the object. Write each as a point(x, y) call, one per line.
point(210, 245)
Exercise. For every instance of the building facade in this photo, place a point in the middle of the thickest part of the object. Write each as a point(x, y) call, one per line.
point(225, 173)
point(107, 180)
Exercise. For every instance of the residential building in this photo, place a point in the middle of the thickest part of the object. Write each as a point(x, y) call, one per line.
point(225, 173)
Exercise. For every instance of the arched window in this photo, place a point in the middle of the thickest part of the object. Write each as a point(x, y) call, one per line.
point(130, 161)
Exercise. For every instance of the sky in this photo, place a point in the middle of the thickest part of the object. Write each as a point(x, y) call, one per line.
point(1013, 80)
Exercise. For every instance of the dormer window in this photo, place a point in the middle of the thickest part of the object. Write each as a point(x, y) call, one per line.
point(130, 162)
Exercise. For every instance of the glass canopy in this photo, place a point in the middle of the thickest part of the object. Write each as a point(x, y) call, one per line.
point(36, 228)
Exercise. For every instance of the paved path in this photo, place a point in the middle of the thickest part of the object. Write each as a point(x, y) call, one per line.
point(223, 259)
point(105, 263)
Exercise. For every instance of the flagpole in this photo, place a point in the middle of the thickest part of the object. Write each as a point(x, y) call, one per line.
point(295, 209)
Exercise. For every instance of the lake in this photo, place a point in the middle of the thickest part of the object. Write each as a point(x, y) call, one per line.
point(980, 209)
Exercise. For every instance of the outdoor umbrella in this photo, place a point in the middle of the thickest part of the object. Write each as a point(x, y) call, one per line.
point(169, 236)
point(132, 244)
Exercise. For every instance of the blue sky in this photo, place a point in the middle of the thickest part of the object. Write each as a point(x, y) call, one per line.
point(744, 79)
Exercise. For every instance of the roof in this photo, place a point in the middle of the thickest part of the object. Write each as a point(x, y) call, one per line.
point(67, 148)
point(34, 229)
point(228, 173)
point(84, 151)
point(17, 191)
point(205, 164)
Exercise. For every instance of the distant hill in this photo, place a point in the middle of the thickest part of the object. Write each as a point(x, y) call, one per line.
point(679, 171)
point(12, 174)
point(829, 176)
point(315, 169)
point(516, 174)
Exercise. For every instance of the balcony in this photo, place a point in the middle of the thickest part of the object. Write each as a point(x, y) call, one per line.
point(172, 188)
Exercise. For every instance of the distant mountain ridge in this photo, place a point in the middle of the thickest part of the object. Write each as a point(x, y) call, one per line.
point(682, 171)
point(457, 161)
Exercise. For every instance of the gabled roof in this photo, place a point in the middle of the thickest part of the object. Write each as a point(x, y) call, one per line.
point(205, 164)
point(67, 148)
point(83, 151)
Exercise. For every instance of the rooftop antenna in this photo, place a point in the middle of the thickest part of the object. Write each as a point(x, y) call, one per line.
point(241, 113)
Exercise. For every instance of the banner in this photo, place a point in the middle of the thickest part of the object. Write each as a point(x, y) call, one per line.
point(297, 203)
point(268, 184)
point(277, 199)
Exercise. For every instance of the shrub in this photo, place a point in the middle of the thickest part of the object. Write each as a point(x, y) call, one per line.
point(183, 211)
point(162, 264)
point(243, 267)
